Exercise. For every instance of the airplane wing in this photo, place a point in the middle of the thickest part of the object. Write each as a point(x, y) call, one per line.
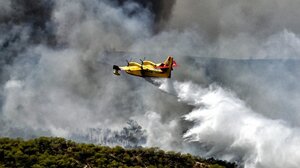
point(130, 68)
point(151, 68)
point(138, 68)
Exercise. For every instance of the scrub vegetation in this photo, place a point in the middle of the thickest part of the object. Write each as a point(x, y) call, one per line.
point(58, 152)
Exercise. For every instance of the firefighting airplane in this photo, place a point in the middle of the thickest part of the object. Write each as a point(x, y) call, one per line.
point(148, 68)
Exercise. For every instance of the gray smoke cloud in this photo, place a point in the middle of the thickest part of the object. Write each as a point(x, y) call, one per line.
point(61, 87)
point(230, 18)
point(5, 8)
point(56, 59)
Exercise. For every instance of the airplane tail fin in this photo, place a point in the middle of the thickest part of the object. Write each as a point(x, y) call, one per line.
point(166, 62)
point(169, 62)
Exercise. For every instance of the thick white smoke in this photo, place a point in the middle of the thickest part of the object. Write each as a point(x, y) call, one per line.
point(69, 89)
point(59, 89)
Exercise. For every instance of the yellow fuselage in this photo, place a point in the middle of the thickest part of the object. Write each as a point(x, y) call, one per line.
point(146, 70)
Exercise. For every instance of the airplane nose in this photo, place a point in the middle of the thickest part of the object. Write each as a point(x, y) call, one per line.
point(116, 70)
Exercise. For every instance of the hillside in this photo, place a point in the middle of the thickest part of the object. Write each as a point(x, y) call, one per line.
point(58, 152)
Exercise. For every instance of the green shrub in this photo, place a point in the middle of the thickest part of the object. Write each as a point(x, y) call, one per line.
point(58, 152)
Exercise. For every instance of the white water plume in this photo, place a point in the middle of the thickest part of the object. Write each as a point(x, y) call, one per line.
point(225, 127)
